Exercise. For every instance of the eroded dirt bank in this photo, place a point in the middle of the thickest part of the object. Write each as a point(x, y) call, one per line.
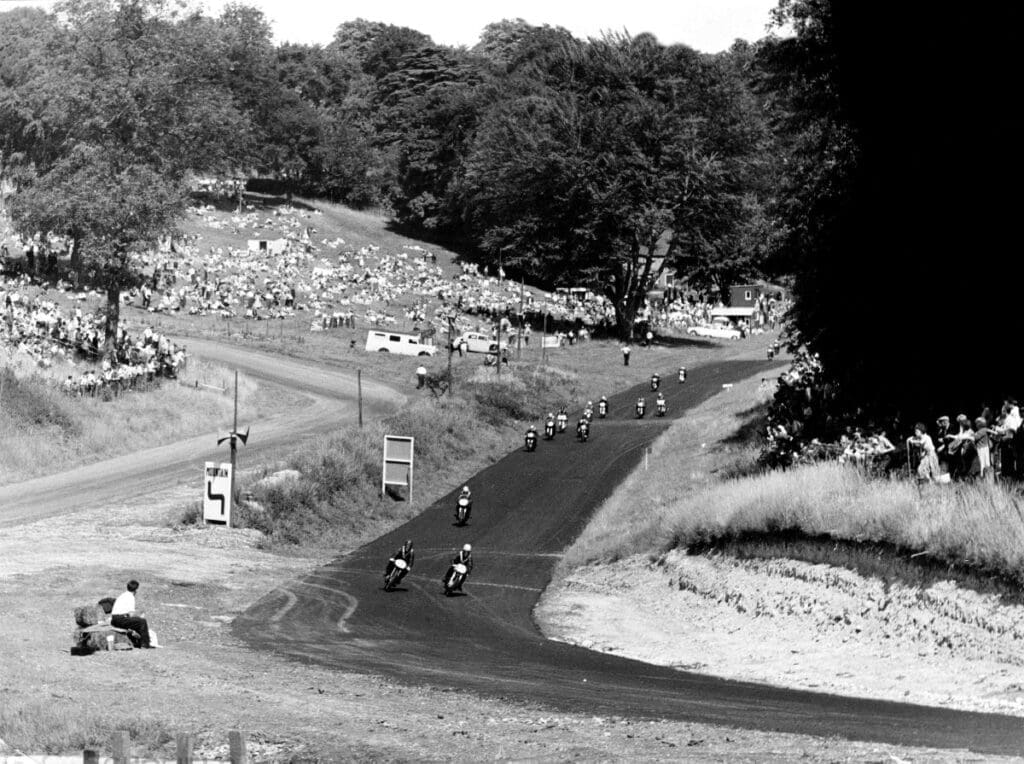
point(801, 625)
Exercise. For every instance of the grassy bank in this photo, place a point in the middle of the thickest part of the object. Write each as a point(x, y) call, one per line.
point(977, 527)
point(45, 431)
point(334, 502)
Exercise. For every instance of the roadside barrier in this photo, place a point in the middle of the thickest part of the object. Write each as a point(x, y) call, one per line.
point(120, 750)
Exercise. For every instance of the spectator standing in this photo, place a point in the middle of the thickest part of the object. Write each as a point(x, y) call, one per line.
point(625, 355)
point(421, 376)
point(982, 465)
point(928, 464)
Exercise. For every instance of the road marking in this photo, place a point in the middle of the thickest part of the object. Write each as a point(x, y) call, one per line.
point(292, 599)
point(471, 582)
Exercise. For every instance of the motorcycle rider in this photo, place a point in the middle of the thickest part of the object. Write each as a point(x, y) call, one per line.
point(602, 407)
point(655, 381)
point(641, 404)
point(549, 426)
point(466, 494)
point(563, 419)
point(588, 411)
point(660, 402)
point(463, 557)
point(531, 437)
point(582, 426)
point(406, 553)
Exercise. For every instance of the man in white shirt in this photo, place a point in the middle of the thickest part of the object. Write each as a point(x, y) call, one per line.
point(124, 616)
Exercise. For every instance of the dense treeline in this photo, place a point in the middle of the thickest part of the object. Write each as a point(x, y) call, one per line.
point(895, 207)
point(599, 162)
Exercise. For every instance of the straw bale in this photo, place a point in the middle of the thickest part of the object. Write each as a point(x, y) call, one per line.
point(88, 615)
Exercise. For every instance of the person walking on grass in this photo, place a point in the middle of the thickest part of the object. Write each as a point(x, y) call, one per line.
point(421, 376)
point(625, 355)
point(928, 462)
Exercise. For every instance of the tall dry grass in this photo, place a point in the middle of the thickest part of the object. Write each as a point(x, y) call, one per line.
point(978, 526)
point(44, 431)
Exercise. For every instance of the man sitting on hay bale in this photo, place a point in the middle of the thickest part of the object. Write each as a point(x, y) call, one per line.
point(123, 615)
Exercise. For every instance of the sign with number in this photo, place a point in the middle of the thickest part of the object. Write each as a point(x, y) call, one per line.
point(217, 493)
point(398, 458)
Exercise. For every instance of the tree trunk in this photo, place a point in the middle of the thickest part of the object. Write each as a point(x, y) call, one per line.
point(76, 253)
point(113, 318)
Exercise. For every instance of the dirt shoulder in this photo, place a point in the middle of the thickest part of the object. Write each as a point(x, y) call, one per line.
point(194, 582)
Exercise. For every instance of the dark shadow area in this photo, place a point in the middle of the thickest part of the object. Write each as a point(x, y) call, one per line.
point(883, 561)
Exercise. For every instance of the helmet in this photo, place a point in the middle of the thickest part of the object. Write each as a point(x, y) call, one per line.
point(603, 398)
point(533, 427)
point(467, 548)
point(589, 404)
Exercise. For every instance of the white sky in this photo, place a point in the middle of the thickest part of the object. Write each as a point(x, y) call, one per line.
point(707, 25)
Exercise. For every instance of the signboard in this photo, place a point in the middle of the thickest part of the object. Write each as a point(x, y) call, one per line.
point(217, 493)
point(398, 459)
point(551, 342)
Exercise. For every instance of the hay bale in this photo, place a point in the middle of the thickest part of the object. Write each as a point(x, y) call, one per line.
point(88, 615)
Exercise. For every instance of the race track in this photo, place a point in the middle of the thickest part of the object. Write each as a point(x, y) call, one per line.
point(329, 401)
point(527, 508)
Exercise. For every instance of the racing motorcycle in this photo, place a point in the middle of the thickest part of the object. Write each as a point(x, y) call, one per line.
point(531, 440)
point(655, 382)
point(455, 578)
point(398, 570)
point(583, 431)
point(563, 421)
point(641, 406)
point(682, 373)
point(602, 408)
point(549, 429)
point(462, 509)
point(661, 406)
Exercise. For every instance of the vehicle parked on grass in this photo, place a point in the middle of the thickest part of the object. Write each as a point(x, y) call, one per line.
point(397, 342)
point(477, 342)
point(720, 328)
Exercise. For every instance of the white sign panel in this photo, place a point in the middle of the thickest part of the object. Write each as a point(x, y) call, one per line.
point(217, 493)
point(398, 459)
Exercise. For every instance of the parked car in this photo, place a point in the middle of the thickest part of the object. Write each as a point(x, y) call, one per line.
point(397, 342)
point(477, 342)
point(719, 328)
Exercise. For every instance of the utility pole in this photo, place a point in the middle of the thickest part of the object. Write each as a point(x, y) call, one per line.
point(519, 334)
point(234, 436)
point(501, 298)
point(543, 340)
point(359, 390)
point(451, 349)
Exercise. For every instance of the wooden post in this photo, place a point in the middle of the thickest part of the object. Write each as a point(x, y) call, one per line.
point(501, 286)
point(234, 446)
point(89, 756)
point(359, 386)
point(451, 349)
point(543, 340)
point(184, 746)
point(519, 334)
point(121, 747)
point(237, 747)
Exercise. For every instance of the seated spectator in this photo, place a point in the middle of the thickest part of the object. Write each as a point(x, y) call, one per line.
point(124, 615)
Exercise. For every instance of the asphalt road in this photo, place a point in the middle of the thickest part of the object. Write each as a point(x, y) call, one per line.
point(527, 508)
point(328, 400)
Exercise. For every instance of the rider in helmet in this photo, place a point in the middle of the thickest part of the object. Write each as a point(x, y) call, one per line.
point(465, 557)
point(406, 553)
point(660, 402)
point(465, 493)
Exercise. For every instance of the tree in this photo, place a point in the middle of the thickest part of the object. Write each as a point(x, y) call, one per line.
point(609, 164)
point(131, 98)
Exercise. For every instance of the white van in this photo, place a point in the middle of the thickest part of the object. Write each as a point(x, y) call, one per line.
point(396, 342)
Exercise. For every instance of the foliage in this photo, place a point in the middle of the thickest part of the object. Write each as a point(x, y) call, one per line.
point(893, 205)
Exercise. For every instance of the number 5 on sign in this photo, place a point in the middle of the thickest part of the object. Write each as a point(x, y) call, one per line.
point(217, 493)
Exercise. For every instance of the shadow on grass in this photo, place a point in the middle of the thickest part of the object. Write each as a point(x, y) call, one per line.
point(883, 561)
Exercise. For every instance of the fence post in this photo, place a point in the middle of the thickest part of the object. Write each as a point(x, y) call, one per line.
point(237, 746)
point(184, 746)
point(121, 747)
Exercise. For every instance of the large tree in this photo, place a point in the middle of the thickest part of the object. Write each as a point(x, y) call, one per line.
point(609, 162)
point(131, 98)
point(897, 203)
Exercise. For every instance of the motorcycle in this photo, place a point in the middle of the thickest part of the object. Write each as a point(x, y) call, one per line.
point(583, 433)
point(531, 441)
point(661, 408)
point(655, 382)
point(549, 429)
point(641, 406)
point(563, 422)
point(588, 414)
point(455, 578)
point(602, 409)
point(398, 570)
point(682, 374)
point(462, 509)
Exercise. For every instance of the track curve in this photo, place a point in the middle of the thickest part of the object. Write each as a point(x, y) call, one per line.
point(527, 508)
point(330, 401)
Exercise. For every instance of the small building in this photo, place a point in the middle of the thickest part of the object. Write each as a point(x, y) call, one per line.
point(744, 295)
point(271, 246)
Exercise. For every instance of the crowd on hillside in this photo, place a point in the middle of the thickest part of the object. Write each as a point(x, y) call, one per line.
point(39, 328)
